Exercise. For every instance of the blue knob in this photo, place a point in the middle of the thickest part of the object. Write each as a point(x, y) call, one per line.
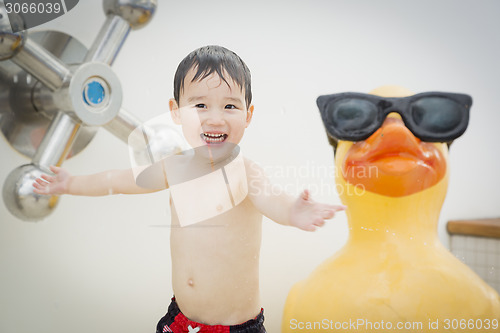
point(94, 93)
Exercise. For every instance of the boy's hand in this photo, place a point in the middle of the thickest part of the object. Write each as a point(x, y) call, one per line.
point(53, 185)
point(307, 214)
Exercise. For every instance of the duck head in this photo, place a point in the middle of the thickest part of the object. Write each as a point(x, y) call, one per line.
point(393, 183)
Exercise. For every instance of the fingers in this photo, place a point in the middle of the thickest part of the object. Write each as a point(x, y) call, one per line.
point(48, 178)
point(42, 181)
point(40, 187)
point(320, 223)
point(39, 181)
point(328, 211)
point(305, 195)
point(328, 214)
point(317, 223)
point(310, 227)
point(335, 208)
point(339, 208)
point(41, 184)
point(316, 214)
point(325, 213)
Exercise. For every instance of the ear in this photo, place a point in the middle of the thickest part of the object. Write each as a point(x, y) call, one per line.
point(174, 111)
point(249, 115)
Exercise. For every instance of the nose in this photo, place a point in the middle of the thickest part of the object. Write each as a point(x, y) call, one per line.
point(214, 117)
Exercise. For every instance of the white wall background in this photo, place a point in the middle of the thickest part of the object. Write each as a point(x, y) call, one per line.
point(102, 264)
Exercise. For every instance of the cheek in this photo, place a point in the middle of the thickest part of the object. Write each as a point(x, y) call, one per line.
point(191, 127)
point(237, 122)
point(240, 126)
point(191, 124)
point(190, 118)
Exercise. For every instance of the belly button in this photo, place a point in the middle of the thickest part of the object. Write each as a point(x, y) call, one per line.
point(190, 283)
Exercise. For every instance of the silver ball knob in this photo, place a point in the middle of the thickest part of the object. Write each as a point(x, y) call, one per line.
point(19, 198)
point(137, 13)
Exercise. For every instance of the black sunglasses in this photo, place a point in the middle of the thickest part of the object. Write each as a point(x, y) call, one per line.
point(430, 116)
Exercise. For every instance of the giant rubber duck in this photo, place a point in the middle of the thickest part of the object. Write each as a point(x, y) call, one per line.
point(393, 274)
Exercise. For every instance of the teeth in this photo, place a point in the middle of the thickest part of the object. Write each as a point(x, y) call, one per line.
point(214, 138)
point(213, 135)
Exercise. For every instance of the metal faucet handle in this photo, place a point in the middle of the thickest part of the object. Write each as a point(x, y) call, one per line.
point(87, 93)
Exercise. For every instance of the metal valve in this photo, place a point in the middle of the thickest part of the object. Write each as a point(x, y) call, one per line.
point(55, 94)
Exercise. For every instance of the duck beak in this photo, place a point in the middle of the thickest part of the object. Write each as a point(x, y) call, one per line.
point(393, 162)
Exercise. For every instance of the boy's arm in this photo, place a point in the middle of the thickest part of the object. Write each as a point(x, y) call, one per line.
point(99, 184)
point(301, 212)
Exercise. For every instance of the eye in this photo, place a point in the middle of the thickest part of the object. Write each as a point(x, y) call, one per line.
point(200, 106)
point(230, 107)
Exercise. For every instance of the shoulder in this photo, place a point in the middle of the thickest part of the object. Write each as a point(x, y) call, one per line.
point(252, 168)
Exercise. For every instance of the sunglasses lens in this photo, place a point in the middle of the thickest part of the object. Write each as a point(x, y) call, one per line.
point(437, 114)
point(349, 116)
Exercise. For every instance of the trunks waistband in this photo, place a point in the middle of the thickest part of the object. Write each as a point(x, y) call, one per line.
point(176, 321)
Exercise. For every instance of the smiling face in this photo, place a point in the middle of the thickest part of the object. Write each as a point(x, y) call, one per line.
point(213, 114)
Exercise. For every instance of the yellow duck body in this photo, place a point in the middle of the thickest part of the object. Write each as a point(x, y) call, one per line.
point(393, 274)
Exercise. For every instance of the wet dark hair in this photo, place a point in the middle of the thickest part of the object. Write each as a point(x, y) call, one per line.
point(210, 59)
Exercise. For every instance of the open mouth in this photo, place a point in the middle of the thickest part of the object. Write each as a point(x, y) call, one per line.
point(213, 138)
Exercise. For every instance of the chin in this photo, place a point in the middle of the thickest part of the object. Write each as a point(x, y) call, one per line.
point(217, 152)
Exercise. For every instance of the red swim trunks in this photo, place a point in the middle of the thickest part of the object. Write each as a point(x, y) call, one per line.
point(175, 321)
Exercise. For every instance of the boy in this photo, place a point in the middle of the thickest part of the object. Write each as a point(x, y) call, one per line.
point(215, 252)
